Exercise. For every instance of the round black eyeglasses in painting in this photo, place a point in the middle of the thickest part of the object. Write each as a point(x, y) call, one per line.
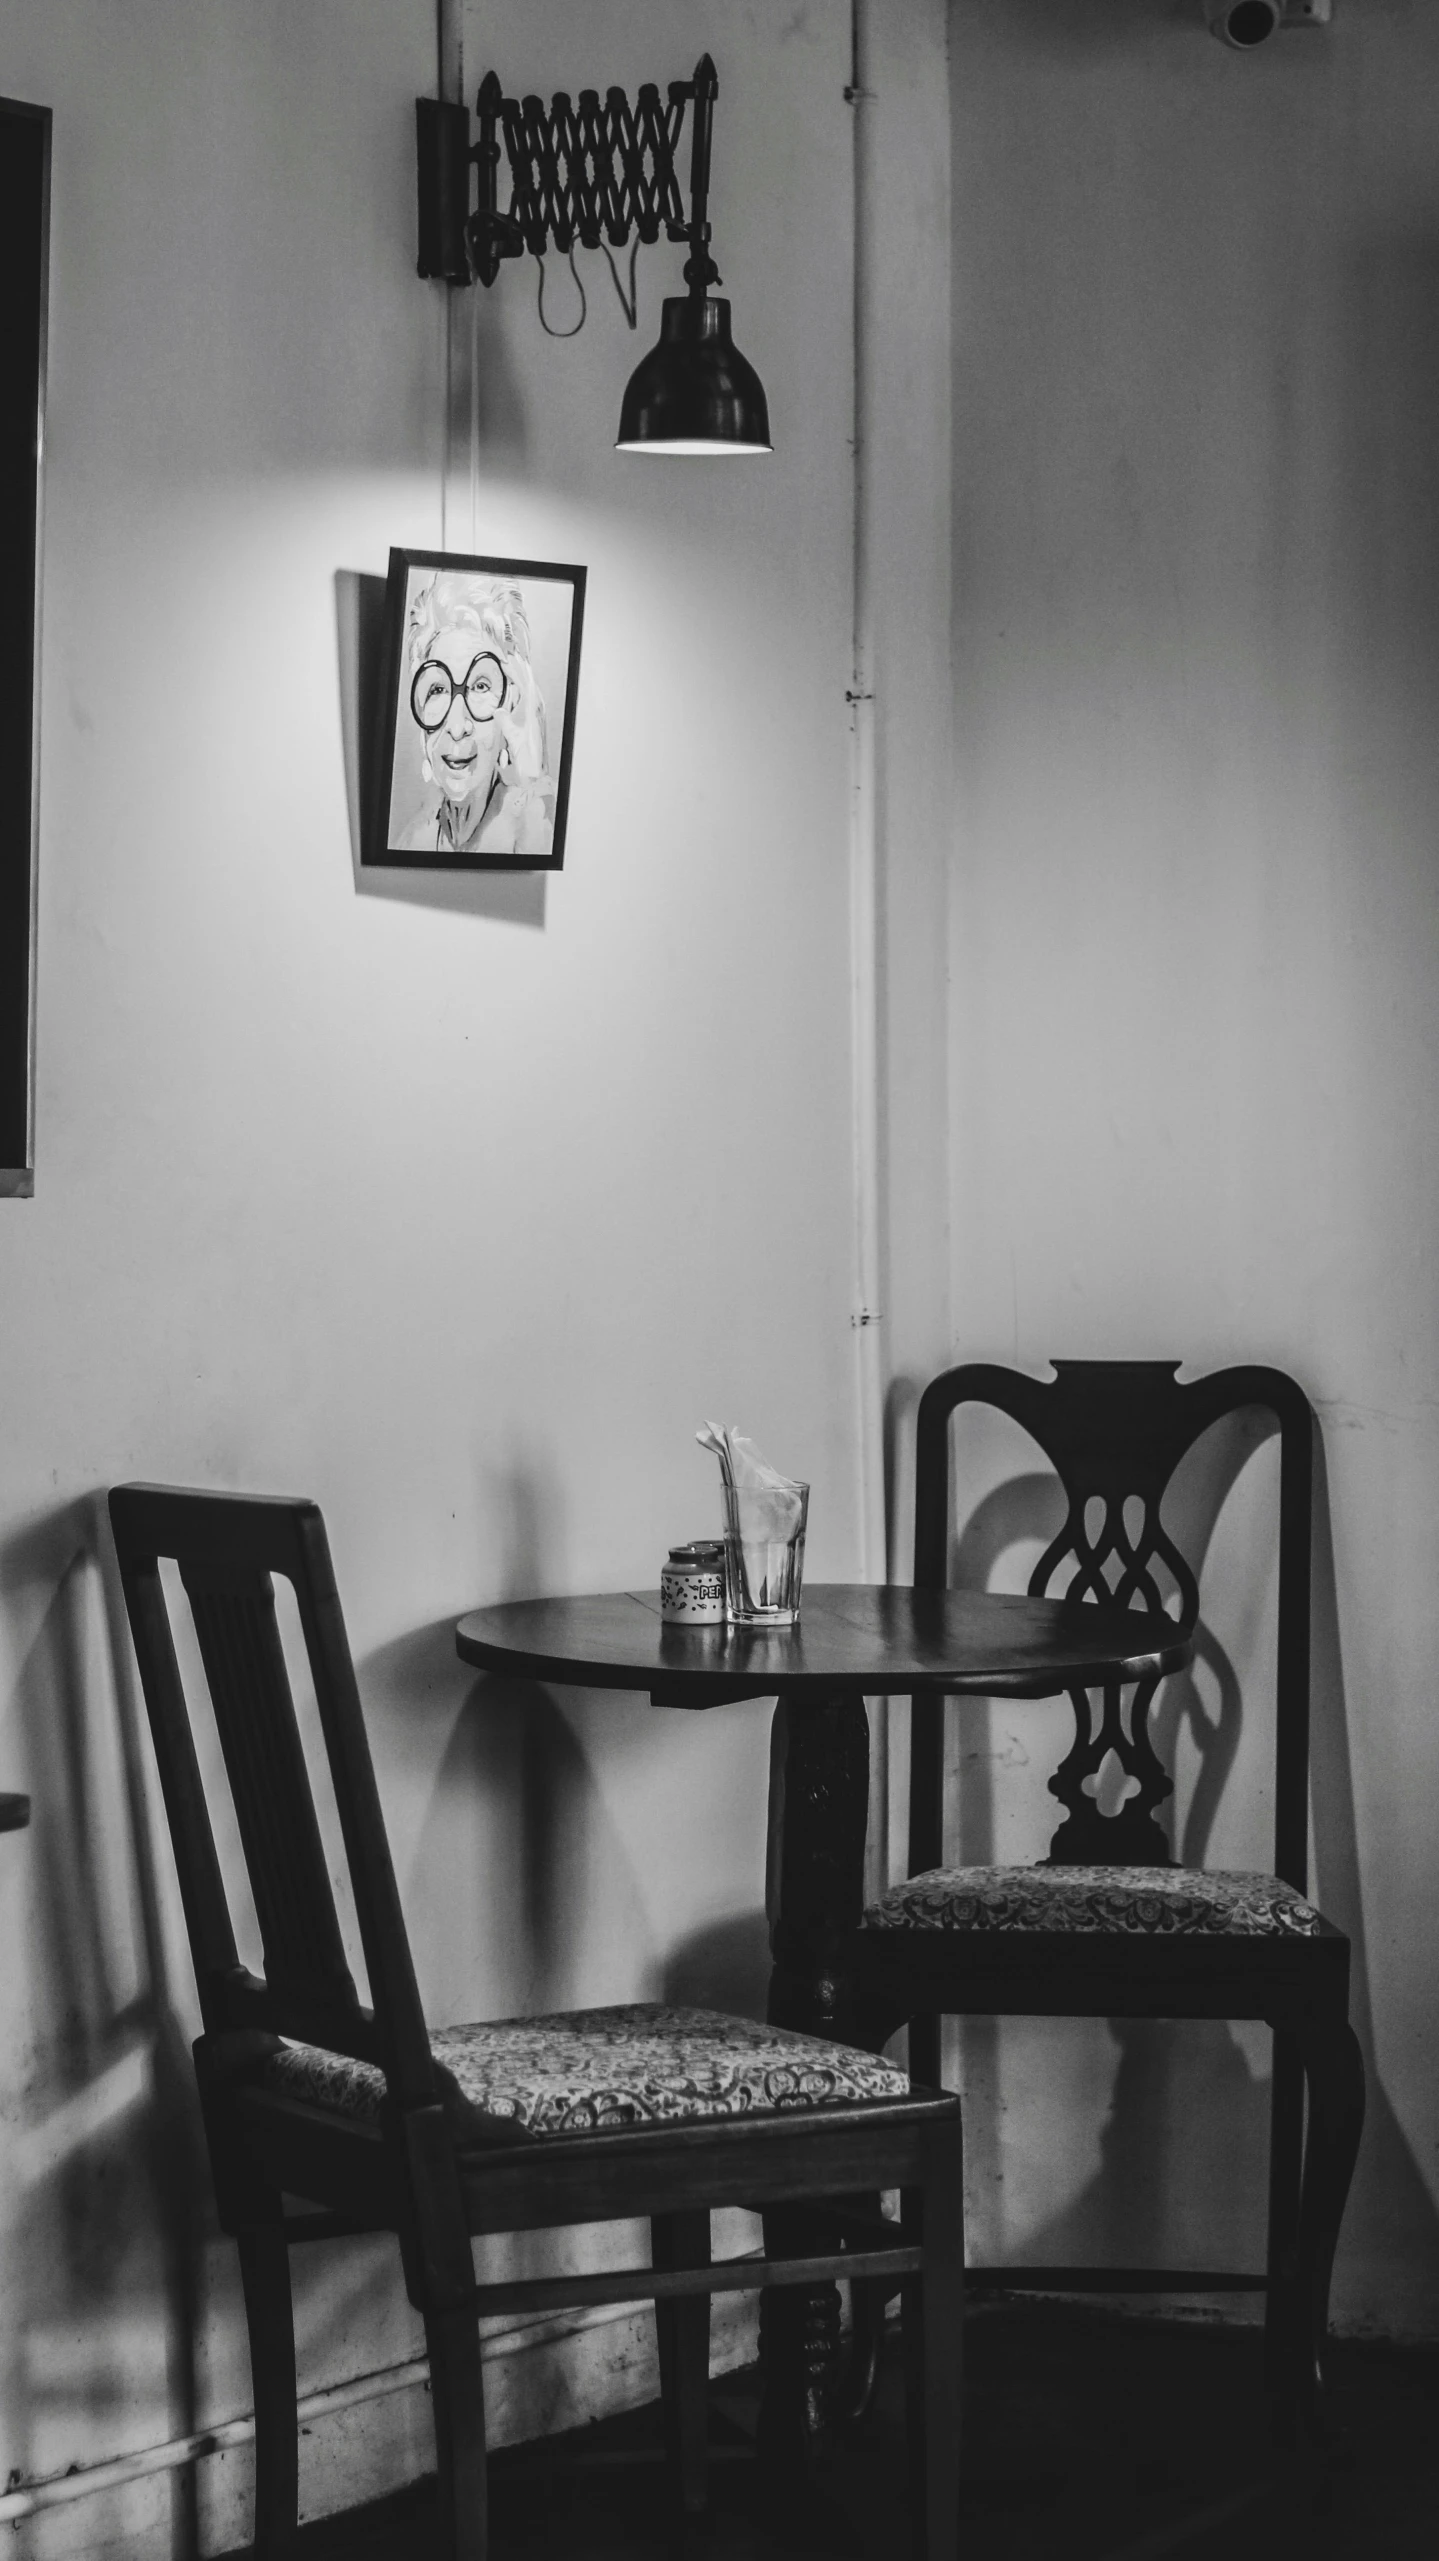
point(434, 690)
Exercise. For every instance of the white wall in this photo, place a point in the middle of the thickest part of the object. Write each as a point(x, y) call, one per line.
point(445, 1202)
point(454, 1204)
point(1196, 928)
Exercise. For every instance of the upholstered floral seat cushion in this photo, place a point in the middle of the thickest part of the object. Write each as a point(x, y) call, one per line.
point(1148, 1902)
point(588, 2070)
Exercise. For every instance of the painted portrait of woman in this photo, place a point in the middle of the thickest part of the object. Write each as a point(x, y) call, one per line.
point(485, 655)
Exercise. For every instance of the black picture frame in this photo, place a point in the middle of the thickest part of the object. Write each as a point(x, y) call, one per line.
point(480, 671)
point(24, 274)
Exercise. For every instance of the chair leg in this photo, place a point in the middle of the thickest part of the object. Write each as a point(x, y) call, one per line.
point(1334, 2069)
point(799, 2350)
point(269, 2316)
point(683, 2330)
point(933, 2348)
point(1286, 2166)
point(457, 2397)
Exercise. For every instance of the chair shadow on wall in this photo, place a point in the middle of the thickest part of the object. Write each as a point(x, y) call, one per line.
point(110, 2160)
point(724, 1966)
point(1184, 2090)
point(510, 898)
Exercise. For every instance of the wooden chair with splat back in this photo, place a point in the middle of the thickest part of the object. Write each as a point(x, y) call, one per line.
point(1109, 1925)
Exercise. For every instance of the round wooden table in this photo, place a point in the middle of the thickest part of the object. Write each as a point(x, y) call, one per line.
point(852, 1640)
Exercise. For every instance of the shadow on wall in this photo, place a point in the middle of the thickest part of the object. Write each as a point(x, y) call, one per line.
point(1379, 613)
point(725, 1966)
point(1391, 2204)
point(511, 898)
point(1185, 2141)
point(115, 2200)
point(517, 1855)
point(1092, 26)
point(519, 1892)
point(1386, 535)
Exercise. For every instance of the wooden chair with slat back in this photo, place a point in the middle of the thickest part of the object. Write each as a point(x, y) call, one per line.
point(1109, 1925)
point(365, 2120)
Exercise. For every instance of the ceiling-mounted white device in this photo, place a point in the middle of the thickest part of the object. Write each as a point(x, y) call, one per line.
point(1245, 24)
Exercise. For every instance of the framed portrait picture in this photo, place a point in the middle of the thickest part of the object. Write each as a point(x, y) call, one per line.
point(477, 713)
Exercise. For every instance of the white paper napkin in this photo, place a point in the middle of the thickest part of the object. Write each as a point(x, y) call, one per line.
point(773, 1504)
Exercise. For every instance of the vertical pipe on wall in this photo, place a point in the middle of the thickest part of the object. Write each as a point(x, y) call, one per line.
point(864, 962)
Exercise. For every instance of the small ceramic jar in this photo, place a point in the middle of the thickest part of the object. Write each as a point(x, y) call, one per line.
point(692, 1584)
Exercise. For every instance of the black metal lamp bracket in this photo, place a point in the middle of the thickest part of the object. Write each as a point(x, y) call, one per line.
point(580, 172)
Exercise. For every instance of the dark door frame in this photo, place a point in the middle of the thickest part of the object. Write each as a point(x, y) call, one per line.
point(24, 272)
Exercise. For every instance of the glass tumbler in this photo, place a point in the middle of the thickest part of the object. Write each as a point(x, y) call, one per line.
point(764, 1530)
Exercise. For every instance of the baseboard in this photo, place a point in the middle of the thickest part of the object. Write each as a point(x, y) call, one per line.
point(542, 2375)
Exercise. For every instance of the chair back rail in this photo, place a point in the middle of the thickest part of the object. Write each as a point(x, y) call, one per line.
point(1114, 1433)
point(228, 1549)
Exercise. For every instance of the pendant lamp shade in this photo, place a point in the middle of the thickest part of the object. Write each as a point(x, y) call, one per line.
point(694, 393)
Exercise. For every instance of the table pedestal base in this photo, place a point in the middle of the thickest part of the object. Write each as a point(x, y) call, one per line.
point(819, 1807)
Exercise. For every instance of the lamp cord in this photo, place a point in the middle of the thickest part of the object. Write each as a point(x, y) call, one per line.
point(549, 330)
point(629, 302)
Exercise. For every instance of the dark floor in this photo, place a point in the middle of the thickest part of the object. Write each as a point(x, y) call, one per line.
point(1087, 2434)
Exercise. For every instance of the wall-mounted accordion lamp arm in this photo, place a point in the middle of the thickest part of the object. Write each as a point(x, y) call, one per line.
point(588, 173)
